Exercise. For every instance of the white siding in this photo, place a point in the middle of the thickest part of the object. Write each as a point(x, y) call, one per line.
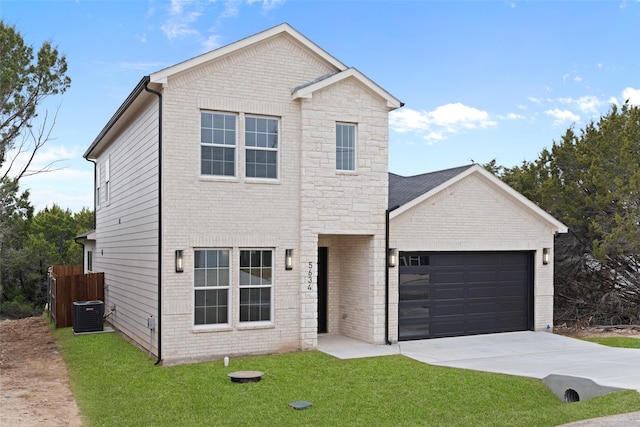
point(127, 225)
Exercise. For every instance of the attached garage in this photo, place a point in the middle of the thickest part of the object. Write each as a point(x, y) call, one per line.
point(470, 256)
point(446, 294)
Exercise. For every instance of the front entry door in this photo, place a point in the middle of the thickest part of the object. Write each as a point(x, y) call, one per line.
point(323, 264)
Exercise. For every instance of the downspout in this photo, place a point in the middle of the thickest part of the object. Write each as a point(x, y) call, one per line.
point(386, 275)
point(81, 244)
point(159, 318)
point(95, 173)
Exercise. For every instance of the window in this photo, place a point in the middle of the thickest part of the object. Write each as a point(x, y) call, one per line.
point(345, 147)
point(89, 260)
point(261, 143)
point(106, 180)
point(256, 272)
point(217, 144)
point(211, 284)
point(98, 185)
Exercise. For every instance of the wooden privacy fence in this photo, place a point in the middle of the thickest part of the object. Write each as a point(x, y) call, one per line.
point(67, 284)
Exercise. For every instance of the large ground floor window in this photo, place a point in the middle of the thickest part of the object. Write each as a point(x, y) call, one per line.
point(211, 280)
point(256, 271)
point(215, 285)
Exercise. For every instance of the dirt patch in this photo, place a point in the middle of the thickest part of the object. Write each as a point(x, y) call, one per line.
point(630, 331)
point(34, 384)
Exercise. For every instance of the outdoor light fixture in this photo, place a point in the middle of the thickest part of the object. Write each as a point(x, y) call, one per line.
point(288, 259)
point(545, 256)
point(179, 264)
point(392, 257)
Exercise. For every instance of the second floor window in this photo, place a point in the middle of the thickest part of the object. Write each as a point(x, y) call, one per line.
point(345, 147)
point(261, 143)
point(217, 144)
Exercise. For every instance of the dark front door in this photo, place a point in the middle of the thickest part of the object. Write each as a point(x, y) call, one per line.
point(445, 294)
point(323, 266)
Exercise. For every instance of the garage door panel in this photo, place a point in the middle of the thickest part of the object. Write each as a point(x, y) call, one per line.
point(448, 277)
point(414, 309)
point(481, 307)
point(464, 293)
point(414, 331)
point(482, 291)
point(447, 292)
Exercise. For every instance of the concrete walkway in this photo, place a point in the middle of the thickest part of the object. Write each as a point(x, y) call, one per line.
point(528, 354)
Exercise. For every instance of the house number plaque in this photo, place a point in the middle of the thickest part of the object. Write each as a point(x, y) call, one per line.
point(310, 278)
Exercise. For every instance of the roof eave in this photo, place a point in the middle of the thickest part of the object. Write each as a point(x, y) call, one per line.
point(557, 226)
point(117, 115)
point(306, 92)
point(162, 76)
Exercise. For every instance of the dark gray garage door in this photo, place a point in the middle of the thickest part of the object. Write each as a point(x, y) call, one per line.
point(446, 294)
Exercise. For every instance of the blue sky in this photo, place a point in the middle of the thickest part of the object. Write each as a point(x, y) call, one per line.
point(480, 80)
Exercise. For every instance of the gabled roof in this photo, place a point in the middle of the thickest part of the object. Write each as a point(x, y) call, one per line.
point(407, 192)
point(162, 75)
point(140, 93)
point(306, 90)
point(404, 189)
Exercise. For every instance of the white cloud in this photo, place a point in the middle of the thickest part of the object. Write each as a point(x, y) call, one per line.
point(48, 157)
point(212, 42)
point(180, 20)
point(514, 116)
point(183, 18)
point(454, 115)
point(436, 124)
point(589, 104)
point(586, 104)
point(632, 95)
point(562, 116)
point(267, 4)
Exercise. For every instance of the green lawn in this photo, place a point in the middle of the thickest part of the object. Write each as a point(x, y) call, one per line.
point(625, 342)
point(115, 384)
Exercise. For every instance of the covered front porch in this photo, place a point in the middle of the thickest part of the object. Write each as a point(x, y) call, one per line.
point(351, 287)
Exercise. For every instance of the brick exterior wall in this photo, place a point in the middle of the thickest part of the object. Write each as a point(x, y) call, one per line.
point(475, 215)
point(309, 199)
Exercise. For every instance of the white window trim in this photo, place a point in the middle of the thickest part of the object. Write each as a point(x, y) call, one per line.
point(107, 181)
point(97, 189)
point(245, 147)
point(228, 326)
point(261, 324)
point(237, 148)
point(353, 171)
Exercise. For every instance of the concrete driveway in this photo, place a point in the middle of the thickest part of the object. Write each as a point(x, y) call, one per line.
point(528, 354)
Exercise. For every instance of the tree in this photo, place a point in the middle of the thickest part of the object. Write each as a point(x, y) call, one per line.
point(25, 81)
point(591, 181)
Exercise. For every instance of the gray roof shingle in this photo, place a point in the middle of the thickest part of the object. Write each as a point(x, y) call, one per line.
point(403, 189)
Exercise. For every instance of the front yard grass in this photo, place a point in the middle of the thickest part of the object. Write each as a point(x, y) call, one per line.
point(624, 342)
point(116, 384)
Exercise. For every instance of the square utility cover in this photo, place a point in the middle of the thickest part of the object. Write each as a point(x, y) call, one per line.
point(300, 404)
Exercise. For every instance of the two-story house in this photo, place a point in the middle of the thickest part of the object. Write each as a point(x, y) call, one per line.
point(242, 207)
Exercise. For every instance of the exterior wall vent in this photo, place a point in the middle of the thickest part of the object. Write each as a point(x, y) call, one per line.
point(88, 316)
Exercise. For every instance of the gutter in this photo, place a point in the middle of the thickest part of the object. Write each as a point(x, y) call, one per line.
point(142, 85)
point(145, 82)
point(386, 275)
point(81, 244)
